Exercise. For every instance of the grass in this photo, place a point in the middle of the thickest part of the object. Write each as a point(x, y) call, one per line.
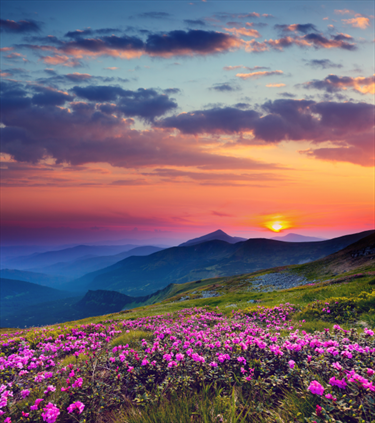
point(212, 404)
point(131, 338)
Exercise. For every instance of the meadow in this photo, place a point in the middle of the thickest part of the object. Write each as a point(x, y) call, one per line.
point(304, 354)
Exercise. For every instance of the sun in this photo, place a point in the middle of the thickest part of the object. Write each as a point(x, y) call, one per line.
point(277, 223)
point(276, 226)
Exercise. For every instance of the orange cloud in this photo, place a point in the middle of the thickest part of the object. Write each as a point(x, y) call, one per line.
point(344, 12)
point(6, 48)
point(358, 22)
point(275, 85)
point(58, 59)
point(256, 75)
point(244, 32)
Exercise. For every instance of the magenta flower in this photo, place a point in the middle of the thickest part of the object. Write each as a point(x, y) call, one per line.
point(77, 383)
point(51, 412)
point(25, 393)
point(316, 388)
point(337, 382)
point(291, 364)
point(37, 402)
point(76, 406)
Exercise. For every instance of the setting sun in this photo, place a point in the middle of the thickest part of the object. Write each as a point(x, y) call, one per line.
point(277, 226)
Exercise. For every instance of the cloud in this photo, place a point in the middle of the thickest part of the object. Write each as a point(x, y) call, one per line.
point(275, 85)
point(213, 178)
point(50, 97)
point(232, 67)
point(155, 15)
point(77, 77)
point(195, 22)
point(333, 83)
point(323, 64)
point(63, 60)
point(256, 75)
point(79, 33)
point(309, 40)
point(344, 12)
point(168, 44)
point(224, 87)
point(303, 28)
point(144, 103)
point(358, 22)
point(228, 68)
point(20, 27)
point(85, 134)
point(5, 49)
point(288, 95)
point(245, 32)
point(171, 91)
point(346, 125)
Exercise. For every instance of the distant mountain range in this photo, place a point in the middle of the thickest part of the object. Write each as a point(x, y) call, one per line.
point(38, 260)
point(29, 311)
point(217, 235)
point(297, 238)
point(139, 276)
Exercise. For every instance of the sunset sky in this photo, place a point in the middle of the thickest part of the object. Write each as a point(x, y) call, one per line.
point(162, 121)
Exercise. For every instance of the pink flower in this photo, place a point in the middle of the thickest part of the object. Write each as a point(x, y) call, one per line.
point(318, 410)
point(291, 364)
point(51, 412)
point(50, 388)
point(35, 406)
point(78, 383)
point(337, 382)
point(145, 362)
point(370, 372)
point(78, 406)
point(8, 420)
point(213, 364)
point(25, 393)
point(316, 388)
point(337, 366)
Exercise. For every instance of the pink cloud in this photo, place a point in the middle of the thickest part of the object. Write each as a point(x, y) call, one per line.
point(246, 32)
point(256, 75)
point(358, 22)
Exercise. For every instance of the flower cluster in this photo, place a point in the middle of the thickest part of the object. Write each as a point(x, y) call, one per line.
point(180, 351)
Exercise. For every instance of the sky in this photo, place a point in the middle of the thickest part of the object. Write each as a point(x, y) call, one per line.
point(161, 121)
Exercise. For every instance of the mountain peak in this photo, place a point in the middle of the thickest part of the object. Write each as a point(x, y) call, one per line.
point(216, 235)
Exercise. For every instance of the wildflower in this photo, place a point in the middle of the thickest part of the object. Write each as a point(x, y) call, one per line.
point(337, 382)
point(76, 406)
point(213, 364)
point(370, 372)
point(36, 404)
point(318, 410)
point(49, 389)
point(51, 412)
point(78, 383)
point(316, 388)
point(291, 364)
point(25, 393)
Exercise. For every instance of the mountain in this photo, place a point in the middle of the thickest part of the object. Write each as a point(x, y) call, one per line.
point(38, 260)
point(297, 238)
point(38, 278)
point(139, 276)
point(358, 259)
point(217, 235)
point(85, 265)
point(16, 295)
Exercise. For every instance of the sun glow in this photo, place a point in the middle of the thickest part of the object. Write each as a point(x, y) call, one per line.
point(277, 223)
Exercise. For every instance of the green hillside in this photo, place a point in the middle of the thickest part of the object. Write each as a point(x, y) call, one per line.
point(138, 276)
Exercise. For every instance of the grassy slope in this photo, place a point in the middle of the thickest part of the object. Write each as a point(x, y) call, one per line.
point(333, 275)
